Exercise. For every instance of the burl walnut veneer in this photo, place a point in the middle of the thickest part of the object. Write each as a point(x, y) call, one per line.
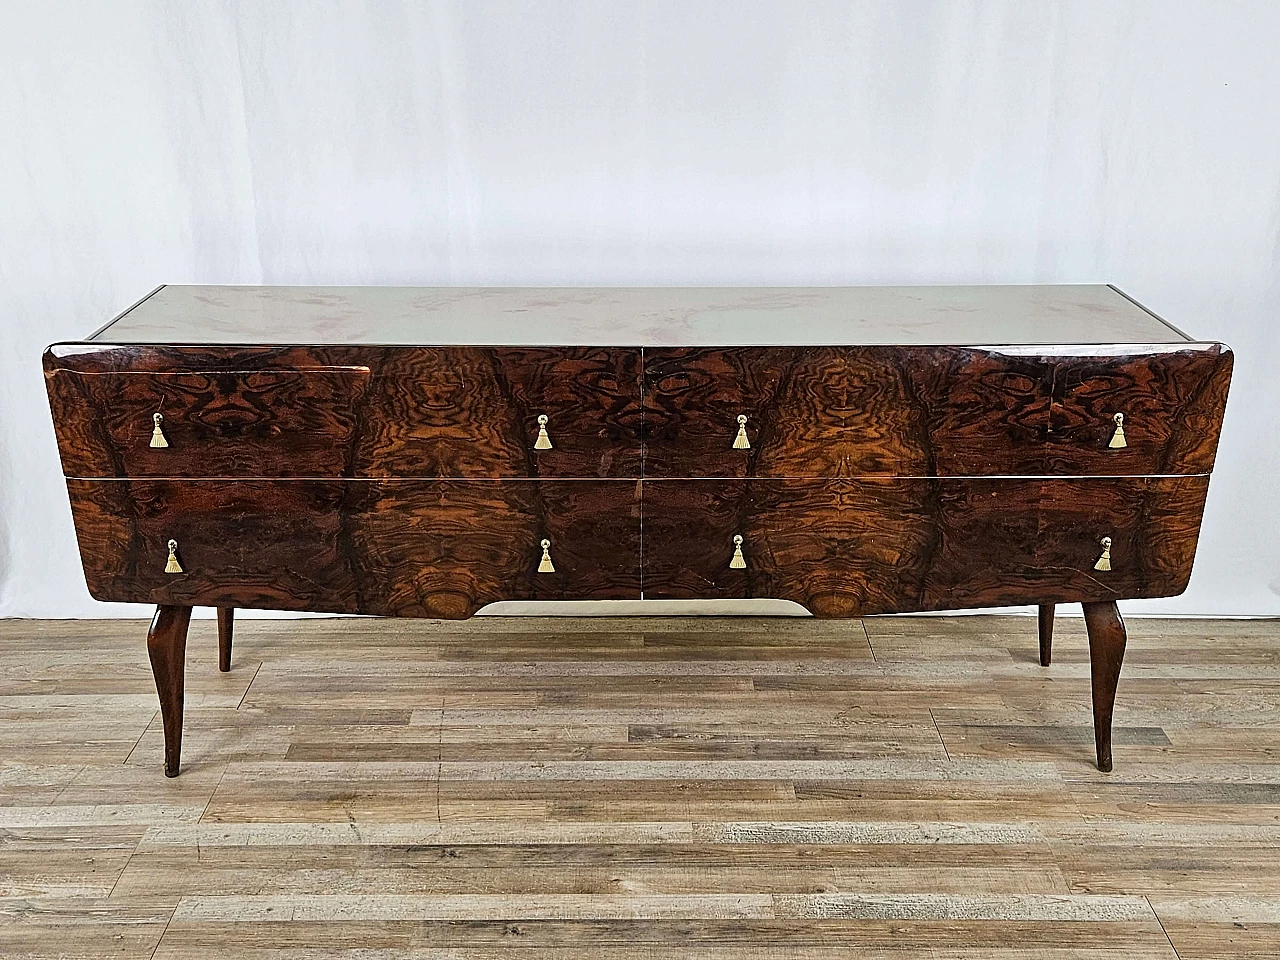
point(425, 452)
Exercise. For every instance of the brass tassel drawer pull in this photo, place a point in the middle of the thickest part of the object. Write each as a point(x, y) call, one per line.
point(740, 442)
point(545, 565)
point(739, 562)
point(158, 440)
point(544, 441)
point(173, 566)
point(1104, 561)
point(1117, 439)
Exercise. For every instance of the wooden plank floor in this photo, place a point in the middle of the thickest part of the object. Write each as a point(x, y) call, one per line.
point(745, 788)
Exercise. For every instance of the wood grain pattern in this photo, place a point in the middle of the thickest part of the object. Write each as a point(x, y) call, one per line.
point(218, 422)
point(446, 548)
point(857, 547)
point(254, 544)
point(1172, 404)
point(627, 789)
point(390, 548)
point(472, 412)
point(929, 411)
point(811, 412)
point(347, 412)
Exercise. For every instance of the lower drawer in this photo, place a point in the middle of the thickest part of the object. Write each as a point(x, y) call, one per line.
point(854, 547)
point(395, 548)
point(446, 548)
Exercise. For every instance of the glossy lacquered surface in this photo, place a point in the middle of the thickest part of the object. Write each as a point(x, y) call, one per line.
point(458, 412)
point(391, 548)
point(472, 412)
point(842, 548)
point(855, 547)
point(930, 411)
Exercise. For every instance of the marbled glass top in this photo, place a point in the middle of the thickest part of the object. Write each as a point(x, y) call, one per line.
point(640, 316)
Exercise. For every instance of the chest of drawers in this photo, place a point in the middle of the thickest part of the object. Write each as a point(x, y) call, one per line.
point(425, 452)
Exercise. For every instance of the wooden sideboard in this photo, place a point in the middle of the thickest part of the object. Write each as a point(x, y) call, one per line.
point(419, 452)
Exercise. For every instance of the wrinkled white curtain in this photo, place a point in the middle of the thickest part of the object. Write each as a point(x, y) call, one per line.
point(501, 141)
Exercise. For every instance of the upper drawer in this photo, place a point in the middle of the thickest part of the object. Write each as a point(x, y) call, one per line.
point(843, 412)
point(212, 423)
point(1170, 406)
point(820, 412)
point(495, 412)
point(376, 412)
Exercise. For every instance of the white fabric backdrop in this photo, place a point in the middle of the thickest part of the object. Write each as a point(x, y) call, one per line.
point(661, 142)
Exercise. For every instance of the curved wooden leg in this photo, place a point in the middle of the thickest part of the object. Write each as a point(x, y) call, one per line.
point(1046, 633)
point(226, 617)
point(1106, 652)
point(167, 647)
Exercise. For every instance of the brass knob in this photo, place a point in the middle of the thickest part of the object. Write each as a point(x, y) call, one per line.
point(172, 565)
point(157, 435)
point(1104, 561)
point(1117, 438)
point(740, 442)
point(545, 565)
point(543, 442)
point(739, 562)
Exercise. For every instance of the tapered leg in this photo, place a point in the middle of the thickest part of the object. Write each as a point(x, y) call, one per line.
point(1106, 653)
point(226, 617)
point(1046, 633)
point(167, 647)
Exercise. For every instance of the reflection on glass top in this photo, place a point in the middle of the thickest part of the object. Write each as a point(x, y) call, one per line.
point(640, 316)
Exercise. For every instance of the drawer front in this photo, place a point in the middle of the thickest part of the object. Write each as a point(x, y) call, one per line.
point(214, 423)
point(476, 412)
point(856, 547)
point(1172, 404)
point(447, 548)
point(843, 412)
point(263, 544)
point(392, 548)
point(826, 412)
point(332, 412)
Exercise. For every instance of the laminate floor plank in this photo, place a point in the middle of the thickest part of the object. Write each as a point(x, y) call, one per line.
point(645, 788)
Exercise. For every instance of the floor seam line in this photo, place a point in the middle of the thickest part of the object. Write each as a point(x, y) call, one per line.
point(128, 860)
point(938, 731)
point(76, 776)
point(244, 696)
point(208, 803)
point(160, 939)
point(439, 758)
point(1151, 907)
point(141, 737)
